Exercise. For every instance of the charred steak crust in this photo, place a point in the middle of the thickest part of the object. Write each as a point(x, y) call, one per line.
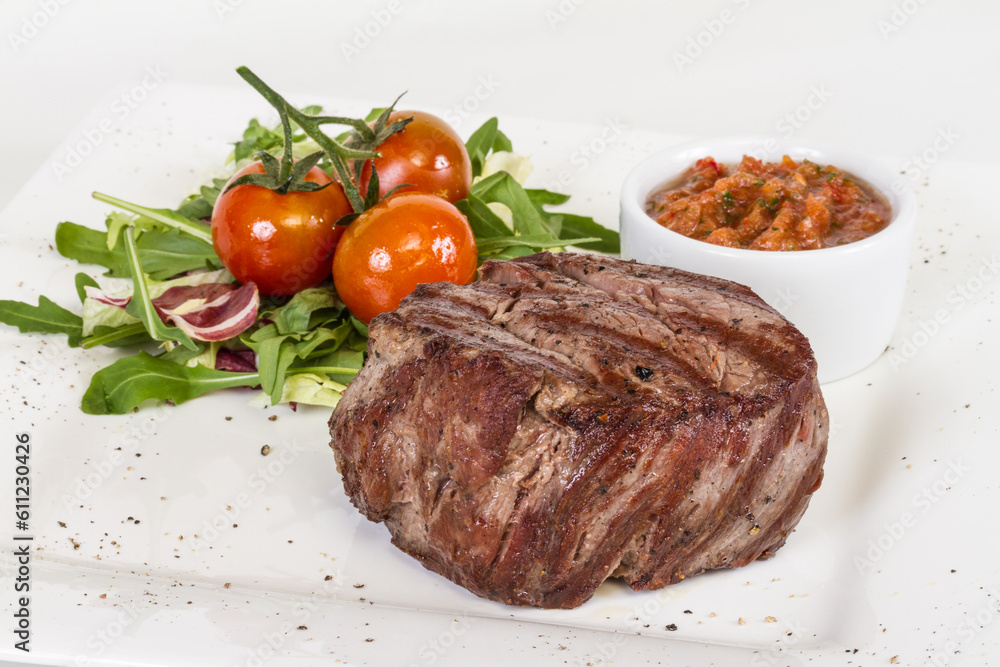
point(572, 417)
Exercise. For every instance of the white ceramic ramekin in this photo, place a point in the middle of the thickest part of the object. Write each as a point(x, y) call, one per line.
point(845, 299)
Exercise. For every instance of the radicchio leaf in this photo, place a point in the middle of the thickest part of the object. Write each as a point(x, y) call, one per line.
point(209, 312)
point(100, 296)
point(223, 312)
point(237, 361)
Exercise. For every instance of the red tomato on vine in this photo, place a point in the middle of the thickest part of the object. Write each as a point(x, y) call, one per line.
point(427, 154)
point(281, 242)
point(407, 239)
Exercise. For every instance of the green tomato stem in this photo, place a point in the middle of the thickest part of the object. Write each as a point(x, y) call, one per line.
point(337, 152)
point(285, 173)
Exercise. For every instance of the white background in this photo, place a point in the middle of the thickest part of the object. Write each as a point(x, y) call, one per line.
point(890, 88)
point(885, 77)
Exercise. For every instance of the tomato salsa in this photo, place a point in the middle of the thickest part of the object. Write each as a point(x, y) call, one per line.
point(785, 205)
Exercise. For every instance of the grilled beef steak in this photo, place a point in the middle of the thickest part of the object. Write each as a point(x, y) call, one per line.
point(571, 417)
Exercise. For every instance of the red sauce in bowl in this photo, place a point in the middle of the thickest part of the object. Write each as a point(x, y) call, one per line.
point(785, 205)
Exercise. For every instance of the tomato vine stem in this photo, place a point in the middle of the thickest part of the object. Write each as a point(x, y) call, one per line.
point(336, 151)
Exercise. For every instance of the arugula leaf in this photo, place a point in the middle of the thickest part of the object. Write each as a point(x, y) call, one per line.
point(257, 138)
point(297, 314)
point(322, 340)
point(372, 115)
point(485, 140)
point(163, 254)
point(46, 317)
point(502, 188)
point(501, 143)
point(141, 305)
point(123, 336)
point(280, 355)
point(124, 385)
point(117, 221)
point(302, 336)
point(545, 197)
point(199, 206)
point(536, 227)
point(567, 225)
point(341, 365)
point(83, 281)
point(183, 356)
point(360, 327)
point(89, 246)
point(164, 216)
point(167, 254)
point(484, 222)
point(274, 356)
point(535, 241)
point(603, 239)
point(511, 252)
point(480, 143)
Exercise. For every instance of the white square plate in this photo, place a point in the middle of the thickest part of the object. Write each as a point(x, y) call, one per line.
point(165, 537)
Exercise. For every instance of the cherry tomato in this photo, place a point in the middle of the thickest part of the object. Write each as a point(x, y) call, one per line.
point(428, 154)
point(404, 240)
point(282, 242)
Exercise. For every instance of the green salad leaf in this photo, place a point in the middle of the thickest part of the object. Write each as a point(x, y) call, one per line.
point(162, 253)
point(532, 226)
point(83, 281)
point(127, 383)
point(120, 336)
point(89, 246)
point(303, 336)
point(46, 317)
point(302, 349)
point(162, 217)
point(309, 388)
point(141, 304)
point(572, 228)
point(260, 139)
point(488, 138)
point(199, 206)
